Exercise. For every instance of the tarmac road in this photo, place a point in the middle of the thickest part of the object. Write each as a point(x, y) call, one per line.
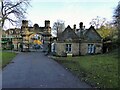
point(35, 70)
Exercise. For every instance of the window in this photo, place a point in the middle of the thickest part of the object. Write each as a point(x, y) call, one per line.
point(11, 32)
point(91, 48)
point(68, 48)
point(53, 47)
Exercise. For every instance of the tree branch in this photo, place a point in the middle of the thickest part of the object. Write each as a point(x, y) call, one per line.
point(14, 6)
point(17, 9)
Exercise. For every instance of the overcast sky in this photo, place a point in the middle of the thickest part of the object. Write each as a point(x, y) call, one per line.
point(71, 11)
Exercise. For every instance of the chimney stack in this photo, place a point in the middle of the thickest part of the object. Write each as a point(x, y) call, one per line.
point(74, 27)
point(81, 25)
point(81, 29)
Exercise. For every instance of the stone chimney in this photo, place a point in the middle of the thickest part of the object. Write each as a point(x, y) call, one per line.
point(81, 30)
point(74, 27)
point(81, 25)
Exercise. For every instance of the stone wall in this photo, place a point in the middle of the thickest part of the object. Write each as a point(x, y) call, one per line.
point(61, 49)
point(83, 48)
point(75, 48)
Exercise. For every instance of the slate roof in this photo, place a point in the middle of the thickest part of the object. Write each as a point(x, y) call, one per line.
point(67, 34)
point(88, 34)
point(96, 35)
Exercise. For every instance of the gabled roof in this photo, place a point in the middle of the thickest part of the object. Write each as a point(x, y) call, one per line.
point(92, 28)
point(67, 34)
point(92, 34)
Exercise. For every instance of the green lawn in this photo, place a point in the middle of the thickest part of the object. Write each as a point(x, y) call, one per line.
point(100, 71)
point(7, 57)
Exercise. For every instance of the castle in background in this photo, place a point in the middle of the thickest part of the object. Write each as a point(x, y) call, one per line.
point(26, 36)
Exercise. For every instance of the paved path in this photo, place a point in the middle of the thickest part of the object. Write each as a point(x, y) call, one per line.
point(34, 70)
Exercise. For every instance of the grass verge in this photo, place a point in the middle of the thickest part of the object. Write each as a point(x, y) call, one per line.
point(7, 57)
point(99, 71)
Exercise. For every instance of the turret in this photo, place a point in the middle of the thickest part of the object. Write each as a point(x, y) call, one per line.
point(47, 26)
point(24, 23)
point(47, 23)
point(24, 26)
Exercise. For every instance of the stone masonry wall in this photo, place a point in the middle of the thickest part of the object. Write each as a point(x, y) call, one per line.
point(61, 49)
point(75, 48)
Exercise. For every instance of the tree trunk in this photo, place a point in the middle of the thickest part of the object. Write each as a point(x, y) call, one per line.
point(2, 23)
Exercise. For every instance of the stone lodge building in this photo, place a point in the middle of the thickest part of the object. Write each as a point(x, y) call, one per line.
point(77, 41)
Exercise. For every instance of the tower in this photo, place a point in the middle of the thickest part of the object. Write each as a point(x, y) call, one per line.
point(47, 26)
point(47, 36)
point(24, 23)
point(25, 35)
point(24, 27)
point(47, 23)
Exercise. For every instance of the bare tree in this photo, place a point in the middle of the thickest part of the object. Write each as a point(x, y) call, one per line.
point(59, 26)
point(13, 11)
point(98, 22)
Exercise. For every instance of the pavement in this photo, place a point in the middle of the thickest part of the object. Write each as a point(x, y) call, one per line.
point(35, 70)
